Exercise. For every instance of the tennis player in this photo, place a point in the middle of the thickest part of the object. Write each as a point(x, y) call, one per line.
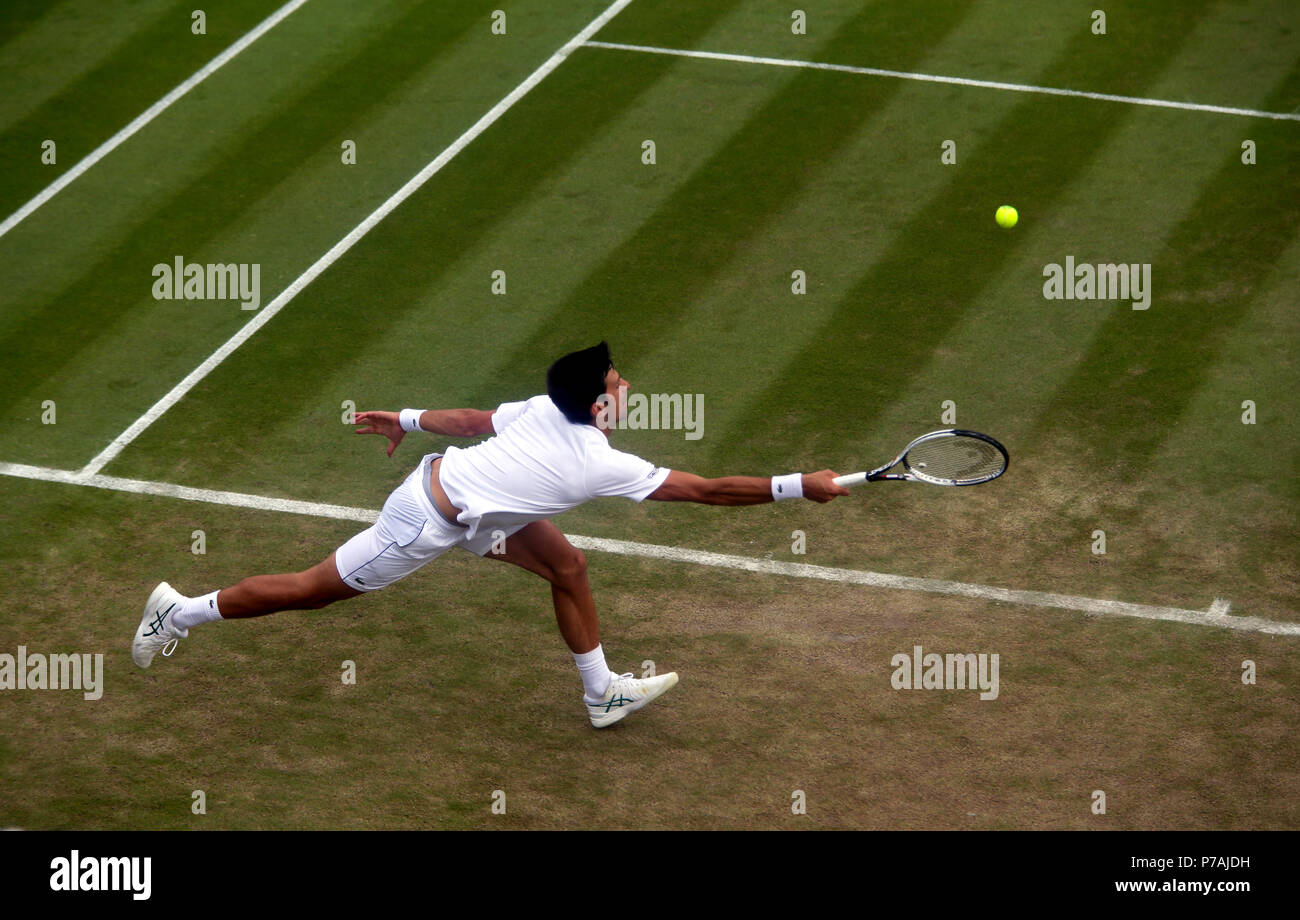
point(545, 455)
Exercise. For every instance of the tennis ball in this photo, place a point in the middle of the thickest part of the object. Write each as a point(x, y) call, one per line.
point(1007, 216)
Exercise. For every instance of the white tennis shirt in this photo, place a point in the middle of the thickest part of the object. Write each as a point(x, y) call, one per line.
point(537, 465)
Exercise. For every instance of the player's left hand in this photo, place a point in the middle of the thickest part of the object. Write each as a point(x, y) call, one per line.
point(382, 423)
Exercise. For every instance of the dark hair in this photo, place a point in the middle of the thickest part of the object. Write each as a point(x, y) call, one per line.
point(577, 380)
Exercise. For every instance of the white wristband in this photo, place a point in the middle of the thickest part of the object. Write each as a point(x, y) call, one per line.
point(409, 419)
point(790, 486)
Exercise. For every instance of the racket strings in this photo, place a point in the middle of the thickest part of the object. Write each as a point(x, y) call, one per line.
point(957, 458)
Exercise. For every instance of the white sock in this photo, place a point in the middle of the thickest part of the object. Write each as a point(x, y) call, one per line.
point(197, 610)
point(596, 675)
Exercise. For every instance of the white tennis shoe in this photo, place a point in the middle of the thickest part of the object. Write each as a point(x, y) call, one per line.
point(627, 694)
point(157, 631)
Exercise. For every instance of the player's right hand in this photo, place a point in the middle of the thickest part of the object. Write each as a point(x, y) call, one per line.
point(821, 487)
point(381, 423)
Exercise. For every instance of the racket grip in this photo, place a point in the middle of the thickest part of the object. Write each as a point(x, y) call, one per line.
point(851, 479)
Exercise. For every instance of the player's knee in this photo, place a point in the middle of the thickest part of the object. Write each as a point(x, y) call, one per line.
point(571, 567)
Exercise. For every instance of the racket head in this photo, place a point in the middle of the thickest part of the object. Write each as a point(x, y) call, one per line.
point(955, 457)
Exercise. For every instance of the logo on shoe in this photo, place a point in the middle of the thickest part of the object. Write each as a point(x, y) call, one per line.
point(619, 701)
point(158, 621)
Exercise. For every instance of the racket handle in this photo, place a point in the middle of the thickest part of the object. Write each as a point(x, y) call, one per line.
point(852, 479)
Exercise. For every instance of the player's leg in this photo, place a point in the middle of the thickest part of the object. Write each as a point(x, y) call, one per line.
point(401, 541)
point(541, 548)
point(310, 589)
point(169, 615)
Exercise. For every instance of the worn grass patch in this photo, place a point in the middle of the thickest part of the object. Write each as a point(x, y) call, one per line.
point(464, 688)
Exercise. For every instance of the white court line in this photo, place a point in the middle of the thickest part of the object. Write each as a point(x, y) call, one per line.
point(1216, 616)
point(148, 115)
point(956, 81)
point(266, 313)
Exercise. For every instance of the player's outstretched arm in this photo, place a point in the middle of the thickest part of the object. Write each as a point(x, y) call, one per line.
point(456, 423)
point(742, 490)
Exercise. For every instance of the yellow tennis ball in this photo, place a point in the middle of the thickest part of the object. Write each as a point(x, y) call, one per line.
point(1007, 216)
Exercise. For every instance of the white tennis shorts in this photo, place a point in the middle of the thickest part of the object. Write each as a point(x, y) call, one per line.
point(410, 532)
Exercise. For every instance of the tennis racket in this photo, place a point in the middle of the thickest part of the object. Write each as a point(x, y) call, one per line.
point(952, 457)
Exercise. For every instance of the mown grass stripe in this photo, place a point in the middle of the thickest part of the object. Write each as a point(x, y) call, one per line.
point(409, 255)
point(1243, 523)
point(843, 221)
point(882, 333)
point(1021, 345)
point(1202, 283)
point(107, 291)
point(178, 392)
point(24, 132)
point(743, 186)
point(46, 47)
